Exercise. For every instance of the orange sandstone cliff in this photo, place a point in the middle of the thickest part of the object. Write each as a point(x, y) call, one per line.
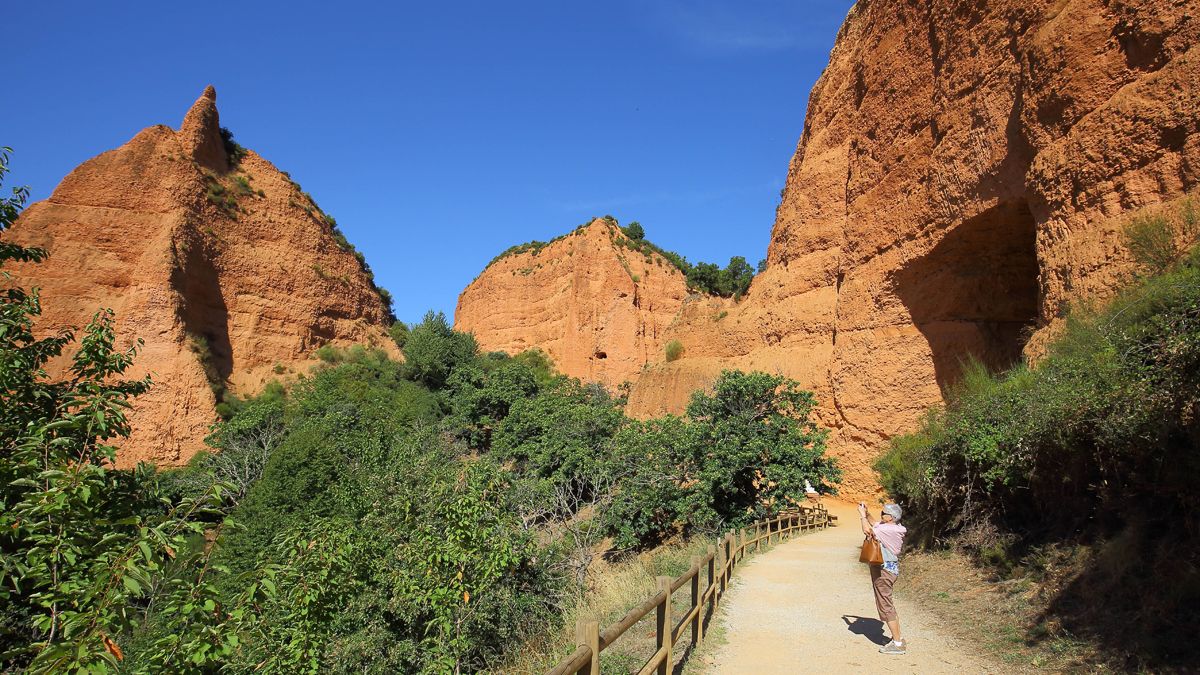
point(227, 271)
point(597, 308)
point(963, 174)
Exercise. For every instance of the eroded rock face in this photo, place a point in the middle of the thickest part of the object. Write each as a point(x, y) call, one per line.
point(964, 171)
point(598, 309)
point(225, 285)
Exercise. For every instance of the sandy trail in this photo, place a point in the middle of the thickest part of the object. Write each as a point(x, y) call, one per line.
point(806, 607)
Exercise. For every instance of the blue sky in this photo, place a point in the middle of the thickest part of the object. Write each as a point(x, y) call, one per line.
point(439, 134)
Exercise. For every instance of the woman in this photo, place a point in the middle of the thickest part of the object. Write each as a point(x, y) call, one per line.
point(890, 534)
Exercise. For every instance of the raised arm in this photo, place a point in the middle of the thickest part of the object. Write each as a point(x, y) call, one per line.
point(864, 519)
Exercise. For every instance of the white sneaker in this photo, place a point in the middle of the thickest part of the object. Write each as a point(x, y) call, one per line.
point(894, 647)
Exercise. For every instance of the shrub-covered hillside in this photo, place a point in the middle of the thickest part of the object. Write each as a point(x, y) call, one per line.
point(1097, 445)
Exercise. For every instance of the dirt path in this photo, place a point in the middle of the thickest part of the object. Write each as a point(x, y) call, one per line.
point(806, 607)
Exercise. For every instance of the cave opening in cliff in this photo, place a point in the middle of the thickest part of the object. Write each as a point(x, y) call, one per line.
point(975, 294)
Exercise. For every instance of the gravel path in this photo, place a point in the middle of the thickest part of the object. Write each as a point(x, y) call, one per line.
point(806, 607)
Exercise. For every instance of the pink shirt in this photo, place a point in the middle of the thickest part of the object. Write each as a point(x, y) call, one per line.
point(890, 535)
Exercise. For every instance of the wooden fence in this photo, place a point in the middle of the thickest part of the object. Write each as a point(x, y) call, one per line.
point(720, 563)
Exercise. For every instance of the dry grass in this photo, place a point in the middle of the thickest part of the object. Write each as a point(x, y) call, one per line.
point(1005, 617)
point(614, 588)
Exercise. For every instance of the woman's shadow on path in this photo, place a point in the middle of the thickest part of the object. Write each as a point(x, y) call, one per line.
point(872, 629)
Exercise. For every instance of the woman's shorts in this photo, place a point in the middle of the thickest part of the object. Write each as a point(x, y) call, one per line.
point(881, 581)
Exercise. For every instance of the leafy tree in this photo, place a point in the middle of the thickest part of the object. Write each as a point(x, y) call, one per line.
point(646, 509)
point(744, 451)
point(336, 421)
point(433, 349)
point(634, 231)
point(736, 277)
point(539, 364)
point(705, 277)
point(481, 399)
point(759, 445)
point(399, 333)
point(561, 435)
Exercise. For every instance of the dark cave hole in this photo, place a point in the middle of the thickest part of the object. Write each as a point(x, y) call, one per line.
point(976, 293)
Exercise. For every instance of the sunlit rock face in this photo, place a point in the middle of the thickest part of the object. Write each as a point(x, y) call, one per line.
point(598, 309)
point(228, 286)
point(964, 171)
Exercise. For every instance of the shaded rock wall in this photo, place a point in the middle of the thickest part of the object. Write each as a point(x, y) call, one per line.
point(258, 278)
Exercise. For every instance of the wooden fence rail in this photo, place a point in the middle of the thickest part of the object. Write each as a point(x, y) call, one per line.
point(719, 563)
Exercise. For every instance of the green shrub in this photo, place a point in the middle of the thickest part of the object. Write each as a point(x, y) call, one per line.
point(1157, 242)
point(330, 354)
point(399, 333)
point(233, 150)
point(561, 434)
point(674, 350)
point(241, 186)
point(433, 350)
point(415, 559)
point(742, 452)
point(224, 200)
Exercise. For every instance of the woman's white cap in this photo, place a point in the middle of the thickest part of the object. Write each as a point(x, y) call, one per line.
point(893, 510)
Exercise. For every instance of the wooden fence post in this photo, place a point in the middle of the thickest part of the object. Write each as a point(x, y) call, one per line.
point(729, 557)
point(697, 606)
point(665, 625)
point(712, 579)
point(722, 562)
point(587, 633)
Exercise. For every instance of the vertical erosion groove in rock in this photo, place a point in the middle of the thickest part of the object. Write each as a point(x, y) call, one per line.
point(225, 272)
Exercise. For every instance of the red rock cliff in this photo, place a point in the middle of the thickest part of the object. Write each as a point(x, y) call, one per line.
point(227, 273)
point(963, 173)
point(599, 309)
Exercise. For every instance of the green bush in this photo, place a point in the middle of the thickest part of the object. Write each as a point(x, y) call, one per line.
point(399, 333)
point(674, 350)
point(233, 150)
point(562, 434)
point(433, 350)
point(1158, 241)
point(742, 452)
point(483, 394)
